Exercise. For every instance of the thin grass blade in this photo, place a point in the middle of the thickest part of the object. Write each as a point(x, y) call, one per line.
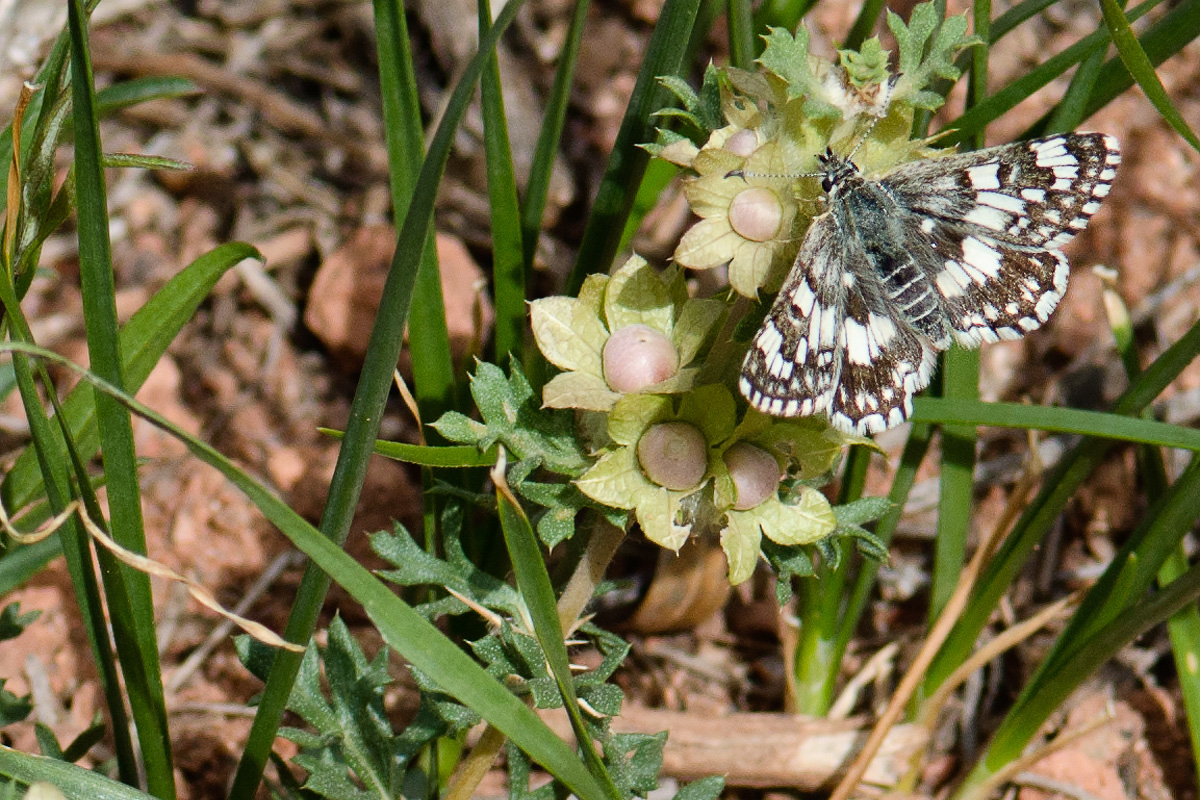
point(367, 408)
point(130, 605)
point(618, 188)
point(404, 630)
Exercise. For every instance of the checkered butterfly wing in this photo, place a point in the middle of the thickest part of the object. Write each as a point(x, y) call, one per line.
point(964, 248)
point(805, 359)
point(996, 221)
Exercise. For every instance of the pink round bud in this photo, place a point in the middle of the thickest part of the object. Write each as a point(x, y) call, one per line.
point(755, 474)
point(756, 214)
point(674, 455)
point(742, 143)
point(638, 356)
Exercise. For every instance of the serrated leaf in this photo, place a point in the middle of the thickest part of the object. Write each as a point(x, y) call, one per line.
point(682, 90)
point(711, 114)
point(413, 566)
point(513, 416)
point(635, 760)
point(787, 56)
point(704, 789)
point(460, 428)
point(604, 698)
point(862, 511)
point(13, 623)
point(13, 708)
point(870, 546)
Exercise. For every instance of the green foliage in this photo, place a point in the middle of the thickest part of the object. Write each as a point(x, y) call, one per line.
point(927, 52)
point(787, 56)
point(351, 751)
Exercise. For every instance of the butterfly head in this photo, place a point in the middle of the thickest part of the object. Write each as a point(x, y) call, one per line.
point(834, 170)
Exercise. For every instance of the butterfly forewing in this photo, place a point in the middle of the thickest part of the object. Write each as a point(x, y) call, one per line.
point(963, 248)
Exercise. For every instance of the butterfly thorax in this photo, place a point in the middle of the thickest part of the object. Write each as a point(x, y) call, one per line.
point(869, 217)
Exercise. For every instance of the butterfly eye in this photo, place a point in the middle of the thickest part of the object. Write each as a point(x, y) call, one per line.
point(827, 184)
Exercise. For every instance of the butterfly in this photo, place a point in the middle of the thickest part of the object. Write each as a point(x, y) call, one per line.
point(962, 250)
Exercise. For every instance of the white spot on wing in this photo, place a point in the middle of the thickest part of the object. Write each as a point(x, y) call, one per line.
point(981, 256)
point(1003, 202)
point(988, 217)
point(985, 176)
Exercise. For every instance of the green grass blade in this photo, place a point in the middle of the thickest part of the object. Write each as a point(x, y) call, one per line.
point(960, 381)
point(136, 91)
point(971, 122)
point(740, 18)
point(367, 408)
point(130, 605)
point(143, 341)
point(533, 582)
point(508, 264)
point(414, 638)
point(1007, 22)
point(1055, 419)
point(1142, 71)
point(1112, 615)
point(537, 189)
point(73, 781)
point(915, 449)
point(429, 337)
point(864, 24)
point(449, 456)
point(1183, 627)
point(1058, 487)
point(48, 447)
point(618, 188)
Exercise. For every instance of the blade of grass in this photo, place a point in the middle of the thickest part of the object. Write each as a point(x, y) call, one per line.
point(1107, 425)
point(1057, 489)
point(960, 381)
point(533, 581)
point(413, 637)
point(740, 18)
point(428, 335)
point(508, 267)
point(1113, 614)
point(1184, 626)
point(47, 448)
point(143, 340)
point(622, 177)
point(366, 409)
point(73, 781)
point(1178, 27)
point(816, 663)
point(919, 437)
point(131, 607)
point(864, 24)
point(1142, 71)
point(537, 188)
point(1000, 102)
